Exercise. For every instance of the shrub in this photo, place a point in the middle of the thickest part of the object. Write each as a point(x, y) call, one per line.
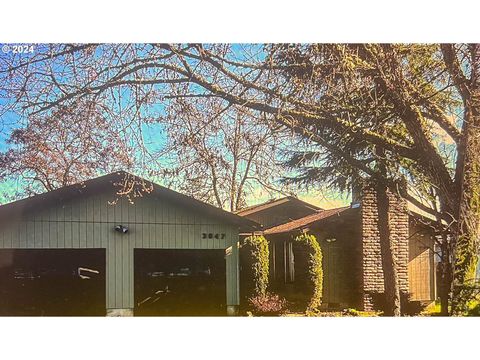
point(268, 304)
point(468, 298)
point(473, 307)
point(357, 313)
point(315, 269)
point(258, 246)
point(351, 312)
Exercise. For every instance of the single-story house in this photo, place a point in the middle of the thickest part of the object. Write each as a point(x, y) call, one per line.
point(121, 245)
point(118, 245)
point(349, 238)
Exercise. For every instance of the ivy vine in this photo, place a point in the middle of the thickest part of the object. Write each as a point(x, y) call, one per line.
point(315, 269)
point(258, 246)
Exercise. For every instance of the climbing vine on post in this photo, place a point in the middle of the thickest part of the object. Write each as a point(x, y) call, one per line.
point(315, 269)
point(258, 245)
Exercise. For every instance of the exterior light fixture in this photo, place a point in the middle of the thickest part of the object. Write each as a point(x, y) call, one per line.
point(121, 229)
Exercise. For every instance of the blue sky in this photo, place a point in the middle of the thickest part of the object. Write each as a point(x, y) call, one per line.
point(155, 138)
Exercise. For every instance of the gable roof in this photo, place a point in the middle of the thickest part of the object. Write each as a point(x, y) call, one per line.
point(275, 202)
point(321, 215)
point(306, 221)
point(108, 182)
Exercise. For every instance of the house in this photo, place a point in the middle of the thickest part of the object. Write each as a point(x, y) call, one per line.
point(349, 238)
point(118, 245)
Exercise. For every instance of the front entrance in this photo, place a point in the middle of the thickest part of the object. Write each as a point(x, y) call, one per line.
point(180, 282)
point(52, 282)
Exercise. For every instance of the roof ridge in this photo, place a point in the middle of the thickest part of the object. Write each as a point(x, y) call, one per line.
point(67, 187)
point(271, 201)
point(260, 204)
point(73, 190)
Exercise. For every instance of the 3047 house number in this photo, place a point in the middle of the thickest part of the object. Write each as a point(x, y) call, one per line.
point(213, 235)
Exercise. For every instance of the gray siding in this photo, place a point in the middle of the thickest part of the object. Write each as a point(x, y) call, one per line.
point(153, 223)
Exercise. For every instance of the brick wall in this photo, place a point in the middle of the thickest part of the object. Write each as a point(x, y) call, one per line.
point(372, 272)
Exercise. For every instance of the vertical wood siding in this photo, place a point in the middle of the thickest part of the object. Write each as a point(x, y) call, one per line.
point(153, 223)
point(421, 266)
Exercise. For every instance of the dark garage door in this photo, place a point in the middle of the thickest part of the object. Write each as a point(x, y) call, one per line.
point(56, 282)
point(180, 282)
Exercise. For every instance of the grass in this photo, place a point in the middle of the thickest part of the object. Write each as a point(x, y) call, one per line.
point(435, 309)
point(330, 313)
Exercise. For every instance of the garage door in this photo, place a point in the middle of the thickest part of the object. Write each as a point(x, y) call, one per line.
point(52, 282)
point(180, 282)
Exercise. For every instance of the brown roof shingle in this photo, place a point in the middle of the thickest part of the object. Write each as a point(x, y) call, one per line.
point(107, 181)
point(274, 202)
point(305, 221)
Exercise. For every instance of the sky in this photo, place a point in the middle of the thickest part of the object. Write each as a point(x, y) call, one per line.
point(155, 139)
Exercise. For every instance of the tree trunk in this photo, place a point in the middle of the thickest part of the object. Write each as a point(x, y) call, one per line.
point(445, 279)
point(389, 259)
point(444, 295)
point(468, 224)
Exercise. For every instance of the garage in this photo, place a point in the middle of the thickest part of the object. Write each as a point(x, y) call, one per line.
point(136, 238)
point(180, 282)
point(53, 282)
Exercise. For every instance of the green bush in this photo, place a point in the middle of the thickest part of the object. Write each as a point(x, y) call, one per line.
point(258, 246)
point(315, 269)
point(357, 313)
point(467, 299)
point(473, 308)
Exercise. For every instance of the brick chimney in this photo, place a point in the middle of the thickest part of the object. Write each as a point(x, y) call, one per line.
point(357, 191)
point(372, 271)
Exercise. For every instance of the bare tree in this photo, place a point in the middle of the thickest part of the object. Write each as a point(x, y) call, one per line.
point(220, 153)
point(72, 144)
point(345, 99)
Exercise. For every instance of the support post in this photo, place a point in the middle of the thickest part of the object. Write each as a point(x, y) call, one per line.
point(233, 279)
point(119, 276)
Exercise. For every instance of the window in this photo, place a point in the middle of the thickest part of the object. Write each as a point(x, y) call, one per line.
point(289, 261)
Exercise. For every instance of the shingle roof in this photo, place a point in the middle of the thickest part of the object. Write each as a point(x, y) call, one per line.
point(107, 181)
point(274, 202)
point(305, 221)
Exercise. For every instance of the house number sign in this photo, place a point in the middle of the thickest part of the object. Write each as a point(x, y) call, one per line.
point(213, 235)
